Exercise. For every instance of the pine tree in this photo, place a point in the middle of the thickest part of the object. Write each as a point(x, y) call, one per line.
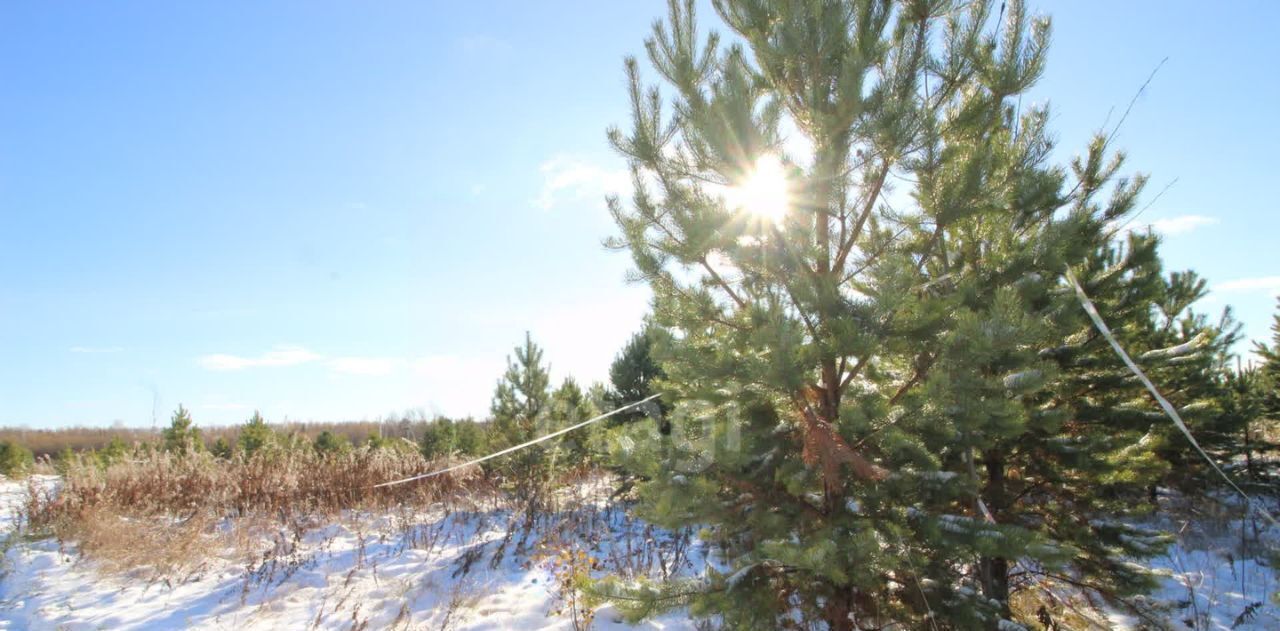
point(15, 460)
point(439, 438)
point(632, 376)
point(1242, 412)
point(1190, 359)
point(569, 406)
point(599, 396)
point(374, 441)
point(1257, 399)
point(182, 436)
point(115, 451)
point(255, 435)
point(889, 401)
point(221, 449)
point(469, 437)
point(519, 409)
point(65, 460)
point(1269, 371)
point(329, 443)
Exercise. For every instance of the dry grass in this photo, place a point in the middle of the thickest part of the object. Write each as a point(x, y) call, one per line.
point(123, 543)
point(167, 520)
point(167, 513)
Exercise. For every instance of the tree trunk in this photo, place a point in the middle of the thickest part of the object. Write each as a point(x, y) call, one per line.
point(839, 609)
point(1248, 454)
point(994, 571)
point(995, 583)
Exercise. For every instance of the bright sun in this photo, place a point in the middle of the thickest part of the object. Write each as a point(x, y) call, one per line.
point(765, 193)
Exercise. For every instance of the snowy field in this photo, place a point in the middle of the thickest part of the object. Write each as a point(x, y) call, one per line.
point(368, 572)
point(376, 572)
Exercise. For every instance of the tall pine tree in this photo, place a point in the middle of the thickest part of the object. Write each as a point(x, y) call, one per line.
point(890, 405)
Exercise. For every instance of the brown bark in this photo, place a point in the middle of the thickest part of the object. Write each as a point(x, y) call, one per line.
point(838, 610)
point(994, 571)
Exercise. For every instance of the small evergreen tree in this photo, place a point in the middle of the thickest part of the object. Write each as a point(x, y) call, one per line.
point(1189, 358)
point(1241, 414)
point(469, 438)
point(1269, 372)
point(519, 407)
point(375, 441)
point(439, 438)
point(221, 449)
point(115, 451)
point(293, 440)
point(329, 443)
point(255, 435)
point(1258, 399)
point(570, 406)
point(182, 436)
point(66, 459)
point(15, 460)
point(632, 376)
point(598, 396)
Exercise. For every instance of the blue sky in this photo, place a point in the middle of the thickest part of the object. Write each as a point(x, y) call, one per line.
point(342, 210)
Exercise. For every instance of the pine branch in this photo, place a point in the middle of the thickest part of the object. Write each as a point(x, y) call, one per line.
point(847, 247)
point(742, 304)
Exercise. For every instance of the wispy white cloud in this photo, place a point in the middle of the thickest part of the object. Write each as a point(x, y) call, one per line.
point(1182, 224)
point(580, 338)
point(1170, 226)
point(568, 179)
point(1268, 284)
point(281, 356)
point(96, 349)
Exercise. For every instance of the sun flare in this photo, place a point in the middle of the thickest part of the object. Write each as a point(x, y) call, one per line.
point(765, 192)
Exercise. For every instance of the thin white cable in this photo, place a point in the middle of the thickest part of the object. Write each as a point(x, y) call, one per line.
point(920, 588)
point(520, 446)
point(1151, 387)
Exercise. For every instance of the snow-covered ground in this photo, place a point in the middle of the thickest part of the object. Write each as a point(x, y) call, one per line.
point(374, 572)
point(364, 572)
point(1217, 574)
point(335, 581)
point(13, 493)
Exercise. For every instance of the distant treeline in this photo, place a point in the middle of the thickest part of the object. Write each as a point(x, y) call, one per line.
point(51, 442)
point(524, 404)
